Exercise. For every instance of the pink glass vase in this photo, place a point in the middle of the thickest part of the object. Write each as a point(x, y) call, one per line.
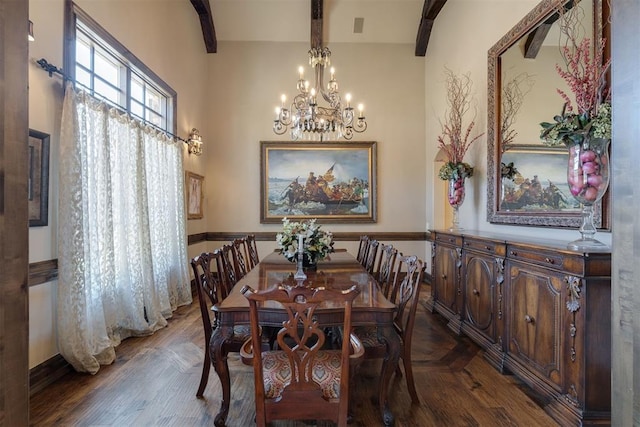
point(588, 179)
point(456, 198)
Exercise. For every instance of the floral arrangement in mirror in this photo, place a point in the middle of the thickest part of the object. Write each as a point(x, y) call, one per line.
point(508, 171)
point(511, 100)
point(586, 131)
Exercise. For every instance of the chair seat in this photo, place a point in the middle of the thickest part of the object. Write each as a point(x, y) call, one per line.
point(326, 372)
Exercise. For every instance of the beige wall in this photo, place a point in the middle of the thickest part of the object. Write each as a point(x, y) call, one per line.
point(246, 81)
point(230, 97)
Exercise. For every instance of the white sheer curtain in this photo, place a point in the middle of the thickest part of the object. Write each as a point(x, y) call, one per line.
point(122, 255)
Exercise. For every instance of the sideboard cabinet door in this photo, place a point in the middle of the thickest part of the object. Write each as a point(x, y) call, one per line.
point(534, 322)
point(446, 288)
point(483, 288)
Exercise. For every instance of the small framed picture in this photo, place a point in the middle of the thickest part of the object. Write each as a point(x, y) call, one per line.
point(194, 183)
point(38, 185)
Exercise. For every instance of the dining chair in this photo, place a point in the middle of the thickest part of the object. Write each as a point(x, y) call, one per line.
point(385, 268)
point(372, 253)
point(405, 293)
point(302, 379)
point(228, 269)
point(362, 249)
point(252, 250)
point(240, 257)
point(208, 280)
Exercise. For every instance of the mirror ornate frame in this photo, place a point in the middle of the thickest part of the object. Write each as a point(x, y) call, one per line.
point(551, 218)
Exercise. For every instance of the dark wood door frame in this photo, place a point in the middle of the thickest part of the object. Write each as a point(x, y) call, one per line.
point(14, 218)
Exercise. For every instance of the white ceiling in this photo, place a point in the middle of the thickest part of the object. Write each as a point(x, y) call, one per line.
point(385, 21)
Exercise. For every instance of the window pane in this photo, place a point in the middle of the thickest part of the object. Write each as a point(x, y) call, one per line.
point(153, 100)
point(106, 91)
point(83, 53)
point(83, 77)
point(106, 68)
point(154, 118)
point(137, 90)
point(137, 109)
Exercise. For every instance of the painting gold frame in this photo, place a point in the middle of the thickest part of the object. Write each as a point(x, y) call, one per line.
point(334, 182)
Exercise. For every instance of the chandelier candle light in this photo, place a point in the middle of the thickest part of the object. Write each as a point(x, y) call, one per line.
point(307, 119)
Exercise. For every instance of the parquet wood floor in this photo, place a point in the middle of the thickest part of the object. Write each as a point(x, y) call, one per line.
point(154, 380)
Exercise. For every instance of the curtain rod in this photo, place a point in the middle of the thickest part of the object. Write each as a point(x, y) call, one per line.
point(51, 69)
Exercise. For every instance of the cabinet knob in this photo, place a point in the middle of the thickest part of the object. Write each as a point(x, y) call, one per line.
point(549, 260)
point(476, 292)
point(513, 253)
point(488, 248)
point(444, 276)
point(529, 319)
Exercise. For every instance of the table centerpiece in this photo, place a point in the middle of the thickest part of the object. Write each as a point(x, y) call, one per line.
point(317, 243)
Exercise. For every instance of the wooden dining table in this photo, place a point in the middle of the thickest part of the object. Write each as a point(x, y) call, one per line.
point(341, 270)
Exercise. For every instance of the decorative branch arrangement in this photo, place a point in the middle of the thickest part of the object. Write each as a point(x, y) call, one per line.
point(453, 141)
point(585, 71)
point(513, 94)
point(585, 75)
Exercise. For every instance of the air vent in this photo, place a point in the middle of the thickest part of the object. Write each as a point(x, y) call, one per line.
point(358, 25)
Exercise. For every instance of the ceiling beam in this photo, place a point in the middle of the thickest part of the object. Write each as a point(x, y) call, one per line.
point(203, 9)
point(535, 39)
point(317, 10)
point(430, 10)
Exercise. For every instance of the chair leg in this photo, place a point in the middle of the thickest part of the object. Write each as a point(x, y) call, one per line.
point(206, 366)
point(354, 367)
point(408, 372)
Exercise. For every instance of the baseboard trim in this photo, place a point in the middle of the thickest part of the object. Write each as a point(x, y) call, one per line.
point(47, 373)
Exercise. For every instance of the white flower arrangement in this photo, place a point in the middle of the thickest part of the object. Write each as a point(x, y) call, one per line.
point(317, 243)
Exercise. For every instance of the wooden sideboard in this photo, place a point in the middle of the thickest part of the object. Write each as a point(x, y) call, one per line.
point(538, 309)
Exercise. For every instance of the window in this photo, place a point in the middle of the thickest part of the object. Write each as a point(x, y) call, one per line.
point(107, 70)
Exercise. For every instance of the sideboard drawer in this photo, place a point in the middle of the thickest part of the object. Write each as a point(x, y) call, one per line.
point(543, 258)
point(449, 239)
point(485, 246)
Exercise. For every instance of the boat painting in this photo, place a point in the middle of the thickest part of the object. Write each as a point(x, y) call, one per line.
point(333, 182)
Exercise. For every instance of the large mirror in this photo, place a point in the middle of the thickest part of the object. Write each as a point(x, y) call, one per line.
point(522, 93)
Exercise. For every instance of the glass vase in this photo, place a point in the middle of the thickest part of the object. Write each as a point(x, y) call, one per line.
point(588, 180)
point(456, 197)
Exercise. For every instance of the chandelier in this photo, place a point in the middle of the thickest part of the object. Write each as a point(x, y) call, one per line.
point(307, 119)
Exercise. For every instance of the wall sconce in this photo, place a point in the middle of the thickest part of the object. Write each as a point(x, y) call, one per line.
point(31, 37)
point(195, 142)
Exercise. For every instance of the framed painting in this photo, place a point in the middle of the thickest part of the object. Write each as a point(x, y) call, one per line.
point(38, 183)
point(539, 188)
point(194, 184)
point(331, 181)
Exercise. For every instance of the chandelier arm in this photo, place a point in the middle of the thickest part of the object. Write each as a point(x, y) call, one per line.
point(284, 117)
point(348, 133)
point(278, 127)
point(361, 125)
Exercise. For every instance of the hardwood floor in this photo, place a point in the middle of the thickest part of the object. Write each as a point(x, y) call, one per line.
point(154, 380)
